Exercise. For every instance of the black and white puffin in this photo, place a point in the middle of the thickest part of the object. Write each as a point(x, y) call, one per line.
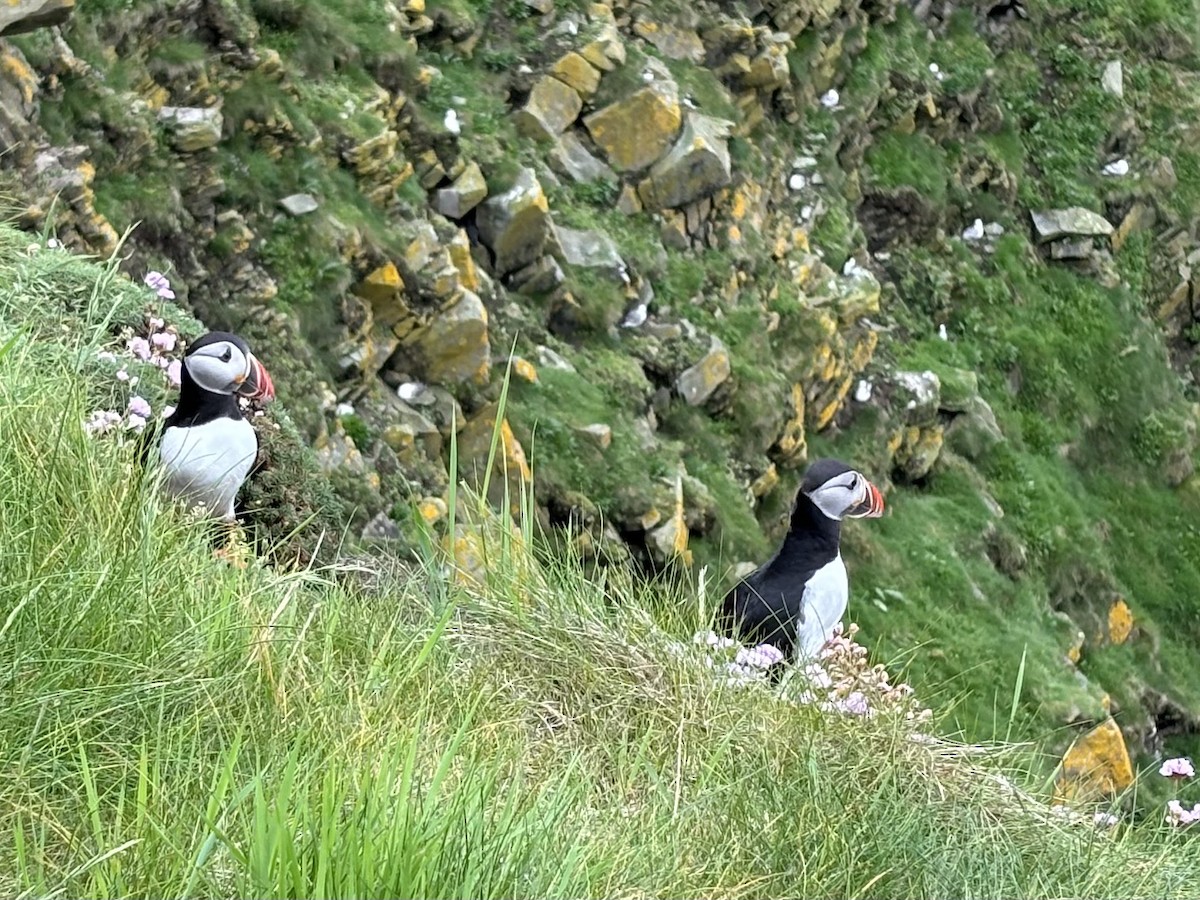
point(796, 598)
point(206, 447)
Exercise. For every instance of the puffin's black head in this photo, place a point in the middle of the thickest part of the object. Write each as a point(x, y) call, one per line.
point(221, 363)
point(840, 492)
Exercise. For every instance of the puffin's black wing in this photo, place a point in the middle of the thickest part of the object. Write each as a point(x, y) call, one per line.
point(763, 607)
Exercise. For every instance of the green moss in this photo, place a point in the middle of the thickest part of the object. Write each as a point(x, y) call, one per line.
point(909, 160)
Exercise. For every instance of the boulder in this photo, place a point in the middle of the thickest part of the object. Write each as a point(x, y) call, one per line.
point(20, 16)
point(550, 109)
point(571, 158)
point(299, 204)
point(516, 223)
point(467, 192)
point(455, 346)
point(1073, 221)
point(1096, 767)
point(698, 382)
point(577, 73)
point(606, 51)
point(672, 41)
point(590, 250)
point(635, 131)
point(1113, 79)
point(696, 167)
point(192, 127)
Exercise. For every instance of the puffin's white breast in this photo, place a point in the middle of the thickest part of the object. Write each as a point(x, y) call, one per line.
point(824, 604)
point(208, 463)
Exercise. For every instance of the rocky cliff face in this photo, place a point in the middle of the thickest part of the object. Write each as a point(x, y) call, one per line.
point(713, 239)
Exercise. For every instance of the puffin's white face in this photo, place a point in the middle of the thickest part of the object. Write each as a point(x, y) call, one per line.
point(222, 368)
point(848, 495)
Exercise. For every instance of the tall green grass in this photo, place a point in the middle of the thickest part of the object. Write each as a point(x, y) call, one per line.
point(172, 726)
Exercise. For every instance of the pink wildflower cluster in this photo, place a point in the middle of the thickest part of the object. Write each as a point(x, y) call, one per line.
point(1179, 769)
point(154, 350)
point(842, 681)
point(158, 283)
point(839, 681)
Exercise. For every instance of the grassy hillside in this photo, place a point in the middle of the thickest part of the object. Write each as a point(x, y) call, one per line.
point(175, 726)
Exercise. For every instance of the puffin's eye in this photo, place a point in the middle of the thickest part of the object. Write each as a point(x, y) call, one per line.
point(227, 355)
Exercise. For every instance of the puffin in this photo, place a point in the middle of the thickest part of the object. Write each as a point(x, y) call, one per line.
point(796, 599)
point(206, 447)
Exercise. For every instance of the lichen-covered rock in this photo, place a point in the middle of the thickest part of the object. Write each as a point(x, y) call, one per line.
point(474, 446)
point(1074, 221)
point(1096, 767)
point(550, 109)
point(516, 223)
point(468, 191)
point(577, 73)
point(696, 167)
point(672, 41)
point(192, 128)
point(455, 346)
point(299, 204)
point(791, 449)
point(698, 382)
point(590, 250)
point(606, 50)
point(21, 16)
point(637, 130)
point(669, 541)
point(571, 158)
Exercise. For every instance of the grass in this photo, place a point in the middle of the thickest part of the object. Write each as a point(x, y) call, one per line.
point(174, 726)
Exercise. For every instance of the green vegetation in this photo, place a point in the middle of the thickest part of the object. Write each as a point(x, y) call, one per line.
point(175, 726)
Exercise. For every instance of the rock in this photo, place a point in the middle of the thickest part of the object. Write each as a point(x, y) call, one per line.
point(551, 108)
point(381, 528)
point(1113, 80)
point(697, 383)
point(571, 158)
point(467, 192)
point(474, 447)
point(1161, 174)
point(974, 431)
point(549, 359)
point(455, 346)
point(599, 434)
point(1141, 217)
point(1096, 767)
point(20, 16)
point(541, 7)
point(590, 250)
point(432, 510)
point(919, 395)
point(672, 41)
point(628, 201)
point(409, 428)
point(607, 50)
point(696, 167)
point(516, 223)
point(192, 127)
point(917, 451)
point(1074, 221)
point(299, 204)
point(669, 541)
point(637, 130)
point(1120, 622)
point(577, 73)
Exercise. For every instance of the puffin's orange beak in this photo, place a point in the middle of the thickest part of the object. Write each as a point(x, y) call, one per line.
point(257, 385)
point(871, 506)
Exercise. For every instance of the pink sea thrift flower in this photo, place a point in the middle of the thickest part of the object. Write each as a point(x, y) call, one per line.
point(1180, 767)
point(139, 347)
point(164, 341)
point(158, 283)
point(167, 412)
point(855, 704)
point(135, 422)
point(106, 356)
point(123, 375)
point(761, 657)
point(102, 420)
point(138, 406)
point(1105, 819)
point(156, 323)
point(1179, 817)
point(175, 373)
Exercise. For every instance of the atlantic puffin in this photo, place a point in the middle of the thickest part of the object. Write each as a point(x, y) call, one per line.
point(795, 600)
point(206, 447)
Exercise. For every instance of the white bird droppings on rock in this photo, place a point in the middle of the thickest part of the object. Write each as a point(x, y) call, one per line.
point(797, 182)
point(975, 232)
point(830, 99)
point(1118, 167)
point(862, 391)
